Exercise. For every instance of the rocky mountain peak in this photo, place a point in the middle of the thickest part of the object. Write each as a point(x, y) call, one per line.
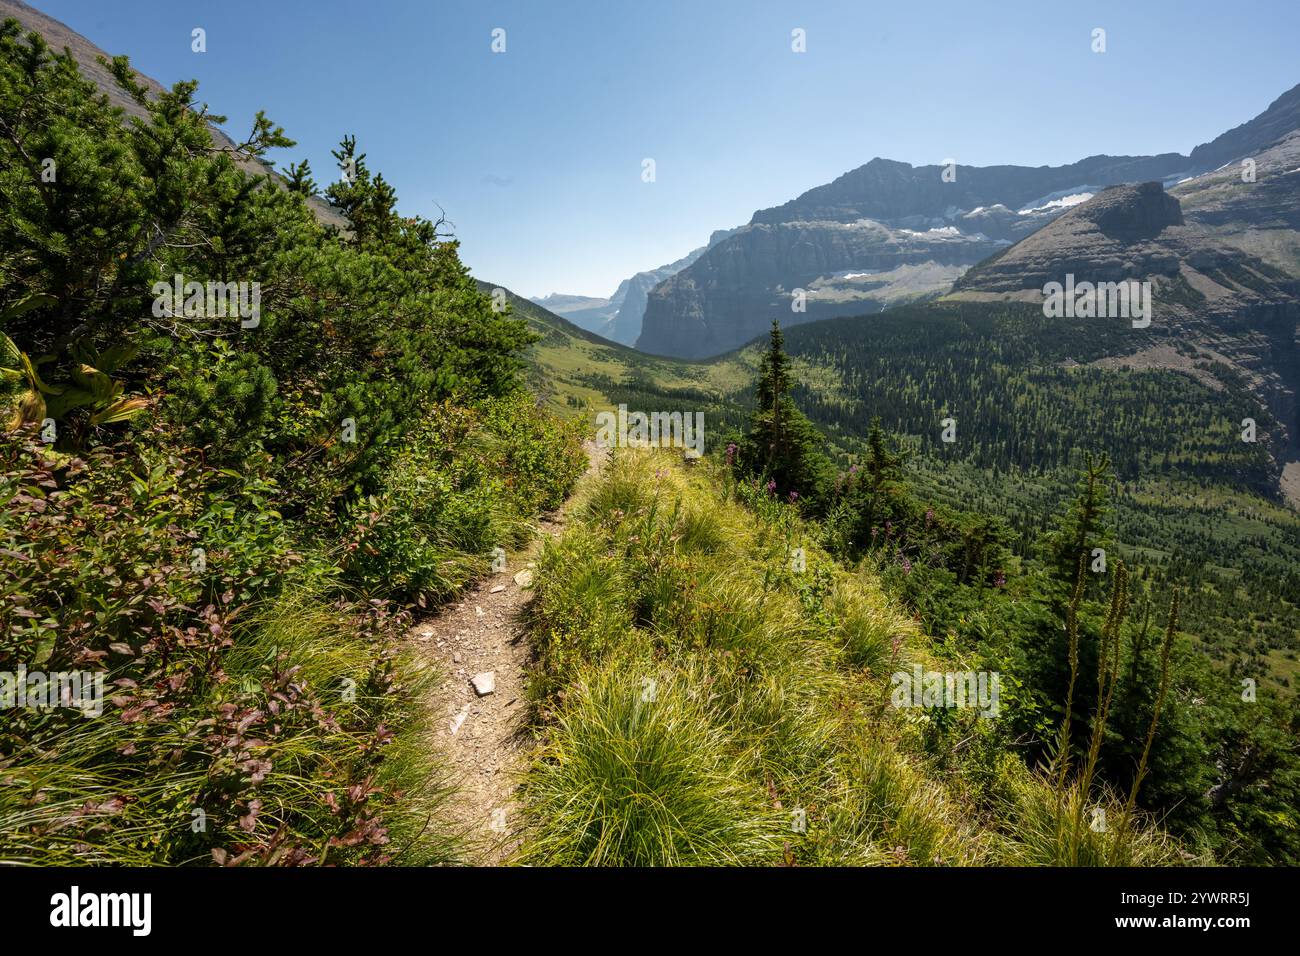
point(1281, 118)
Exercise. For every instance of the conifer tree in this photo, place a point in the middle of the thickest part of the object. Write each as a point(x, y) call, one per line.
point(783, 446)
point(882, 464)
point(300, 180)
point(1081, 528)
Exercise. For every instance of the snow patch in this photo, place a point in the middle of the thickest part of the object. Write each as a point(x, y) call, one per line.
point(988, 210)
point(939, 231)
point(1063, 202)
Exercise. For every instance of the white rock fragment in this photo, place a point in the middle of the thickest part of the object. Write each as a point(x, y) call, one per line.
point(524, 578)
point(484, 683)
point(459, 719)
point(498, 589)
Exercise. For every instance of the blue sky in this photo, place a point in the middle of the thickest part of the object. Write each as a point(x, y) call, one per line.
point(536, 153)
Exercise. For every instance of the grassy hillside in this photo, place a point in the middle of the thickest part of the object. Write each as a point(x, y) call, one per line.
point(715, 689)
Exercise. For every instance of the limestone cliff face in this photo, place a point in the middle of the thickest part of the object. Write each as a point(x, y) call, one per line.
point(618, 318)
point(735, 289)
point(894, 192)
point(848, 239)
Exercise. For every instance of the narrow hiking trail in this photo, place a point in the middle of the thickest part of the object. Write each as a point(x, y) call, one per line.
point(479, 646)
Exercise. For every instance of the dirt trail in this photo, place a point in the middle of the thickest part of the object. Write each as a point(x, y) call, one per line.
point(483, 735)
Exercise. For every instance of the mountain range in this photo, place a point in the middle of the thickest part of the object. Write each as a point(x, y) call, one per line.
point(888, 233)
point(1216, 234)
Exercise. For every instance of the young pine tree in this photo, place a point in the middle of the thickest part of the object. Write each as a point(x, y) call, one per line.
point(1081, 529)
point(782, 446)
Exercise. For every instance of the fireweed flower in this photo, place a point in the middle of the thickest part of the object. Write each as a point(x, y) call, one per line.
point(731, 453)
point(794, 496)
point(771, 487)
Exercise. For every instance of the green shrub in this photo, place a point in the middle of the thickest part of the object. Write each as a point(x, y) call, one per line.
point(467, 481)
point(244, 722)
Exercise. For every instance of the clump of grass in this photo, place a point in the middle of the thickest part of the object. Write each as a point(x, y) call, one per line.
point(886, 811)
point(636, 774)
point(621, 491)
point(581, 609)
point(1036, 805)
point(701, 530)
point(866, 629)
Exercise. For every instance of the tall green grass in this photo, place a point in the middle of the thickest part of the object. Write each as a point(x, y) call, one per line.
point(704, 698)
point(636, 774)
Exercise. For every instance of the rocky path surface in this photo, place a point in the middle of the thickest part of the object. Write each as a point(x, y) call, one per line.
point(480, 646)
